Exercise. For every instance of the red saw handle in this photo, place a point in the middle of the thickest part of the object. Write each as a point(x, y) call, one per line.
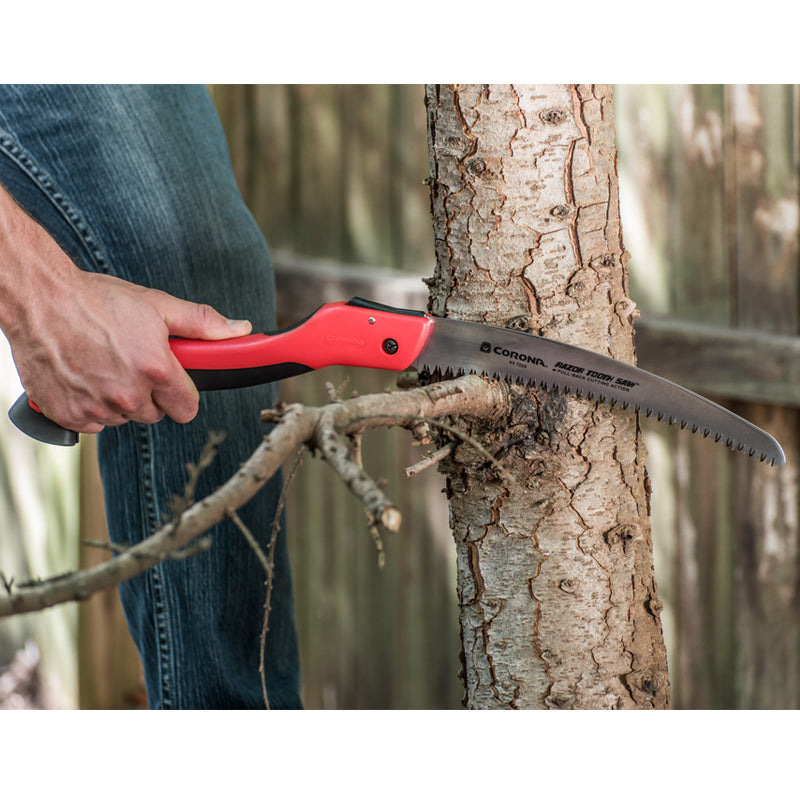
point(353, 334)
point(357, 333)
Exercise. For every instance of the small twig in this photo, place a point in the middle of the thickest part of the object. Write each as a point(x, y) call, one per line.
point(376, 537)
point(231, 514)
point(429, 461)
point(110, 546)
point(274, 415)
point(335, 392)
point(276, 526)
point(179, 504)
point(7, 584)
point(411, 422)
point(199, 546)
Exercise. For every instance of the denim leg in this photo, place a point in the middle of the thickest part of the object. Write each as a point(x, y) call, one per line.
point(136, 181)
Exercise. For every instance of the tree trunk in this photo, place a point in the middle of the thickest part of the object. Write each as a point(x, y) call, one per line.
point(558, 605)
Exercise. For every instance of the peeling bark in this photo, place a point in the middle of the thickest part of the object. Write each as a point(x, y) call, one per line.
point(555, 571)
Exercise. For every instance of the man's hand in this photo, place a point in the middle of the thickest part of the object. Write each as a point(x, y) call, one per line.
point(93, 350)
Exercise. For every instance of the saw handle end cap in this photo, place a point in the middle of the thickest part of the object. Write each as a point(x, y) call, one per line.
point(35, 424)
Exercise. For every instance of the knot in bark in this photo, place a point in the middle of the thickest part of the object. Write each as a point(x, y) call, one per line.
point(559, 700)
point(561, 211)
point(648, 687)
point(620, 536)
point(553, 116)
point(477, 166)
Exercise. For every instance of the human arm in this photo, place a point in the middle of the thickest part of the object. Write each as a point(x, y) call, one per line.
point(93, 350)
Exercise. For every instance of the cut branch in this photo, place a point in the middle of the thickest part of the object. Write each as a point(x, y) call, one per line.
point(380, 510)
point(296, 426)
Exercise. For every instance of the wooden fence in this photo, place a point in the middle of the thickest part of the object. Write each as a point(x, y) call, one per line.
point(709, 181)
point(711, 212)
point(709, 188)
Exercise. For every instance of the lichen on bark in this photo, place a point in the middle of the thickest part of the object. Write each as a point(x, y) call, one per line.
point(556, 589)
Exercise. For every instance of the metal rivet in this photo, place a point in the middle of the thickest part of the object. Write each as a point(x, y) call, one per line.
point(371, 320)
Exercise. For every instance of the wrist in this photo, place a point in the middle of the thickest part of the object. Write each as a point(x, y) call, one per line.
point(34, 271)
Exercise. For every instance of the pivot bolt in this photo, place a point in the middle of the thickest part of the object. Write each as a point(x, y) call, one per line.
point(390, 346)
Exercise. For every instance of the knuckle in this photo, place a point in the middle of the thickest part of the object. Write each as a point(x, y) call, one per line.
point(159, 373)
point(203, 312)
point(208, 318)
point(125, 401)
point(87, 418)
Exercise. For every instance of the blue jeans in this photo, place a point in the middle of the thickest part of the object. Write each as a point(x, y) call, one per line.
point(136, 181)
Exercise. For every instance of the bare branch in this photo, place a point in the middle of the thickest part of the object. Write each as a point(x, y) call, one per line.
point(429, 461)
point(170, 538)
point(379, 509)
point(295, 426)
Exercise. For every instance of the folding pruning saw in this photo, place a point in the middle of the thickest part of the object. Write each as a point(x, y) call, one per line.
point(359, 333)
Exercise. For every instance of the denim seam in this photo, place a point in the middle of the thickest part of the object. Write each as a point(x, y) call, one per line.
point(160, 614)
point(17, 153)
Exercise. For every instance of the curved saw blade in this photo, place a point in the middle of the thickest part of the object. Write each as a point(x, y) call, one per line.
point(498, 352)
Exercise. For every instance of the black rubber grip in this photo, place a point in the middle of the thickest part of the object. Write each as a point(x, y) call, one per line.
point(212, 379)
point(38, 426)
point(360, 302)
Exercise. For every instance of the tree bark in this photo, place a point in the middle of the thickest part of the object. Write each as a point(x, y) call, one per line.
point(557, 597)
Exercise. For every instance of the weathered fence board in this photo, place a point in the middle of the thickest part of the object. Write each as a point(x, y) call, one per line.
point(764, 206)
point(728, 175)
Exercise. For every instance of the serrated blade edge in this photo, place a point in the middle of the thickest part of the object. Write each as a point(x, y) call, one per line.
point(469, 347)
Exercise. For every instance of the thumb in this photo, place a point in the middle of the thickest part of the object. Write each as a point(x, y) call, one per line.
point(197, 321)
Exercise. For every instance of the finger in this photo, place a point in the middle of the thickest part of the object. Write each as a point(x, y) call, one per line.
point(197, 321)
point(148, 412)
point(93, 427)
point(113, 416)
point(178, 398)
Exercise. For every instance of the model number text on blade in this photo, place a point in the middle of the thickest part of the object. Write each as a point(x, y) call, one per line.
point(592, 376)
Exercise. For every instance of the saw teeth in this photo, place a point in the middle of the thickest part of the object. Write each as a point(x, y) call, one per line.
point(448, 372)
